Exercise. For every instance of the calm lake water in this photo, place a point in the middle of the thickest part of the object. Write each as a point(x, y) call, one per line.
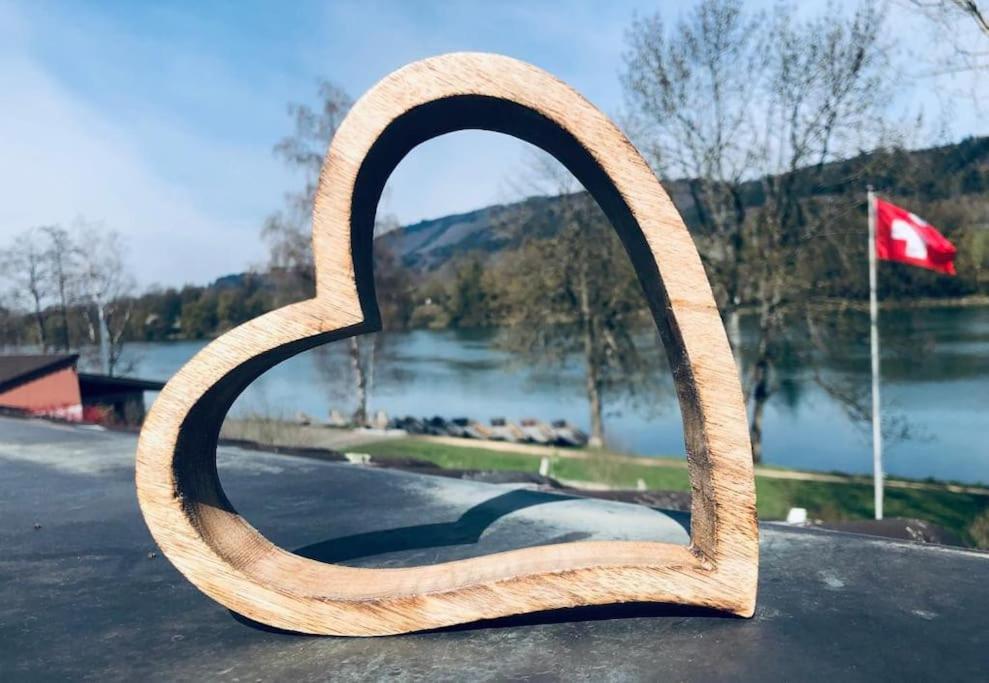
point(935, 378)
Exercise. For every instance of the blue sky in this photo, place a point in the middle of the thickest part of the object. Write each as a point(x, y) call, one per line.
point(159, 118)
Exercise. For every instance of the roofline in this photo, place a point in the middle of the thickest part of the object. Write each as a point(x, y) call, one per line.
point(39, 372)
point(129, 382)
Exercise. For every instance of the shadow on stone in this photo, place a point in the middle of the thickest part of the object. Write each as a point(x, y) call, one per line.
point(465, 530)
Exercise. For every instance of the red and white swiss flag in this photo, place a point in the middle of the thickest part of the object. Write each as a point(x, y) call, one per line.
point(907, 238)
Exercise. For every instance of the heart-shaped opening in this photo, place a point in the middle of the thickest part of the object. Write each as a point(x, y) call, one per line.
point(314, 509)
point(198, 528)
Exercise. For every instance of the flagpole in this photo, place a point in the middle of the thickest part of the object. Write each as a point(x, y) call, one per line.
point(877, 435)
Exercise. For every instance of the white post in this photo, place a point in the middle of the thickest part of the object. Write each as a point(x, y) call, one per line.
point(877, 434)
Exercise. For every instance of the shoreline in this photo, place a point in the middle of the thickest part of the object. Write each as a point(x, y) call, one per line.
point(970, 301)
point(290, 434)
point(827, 497)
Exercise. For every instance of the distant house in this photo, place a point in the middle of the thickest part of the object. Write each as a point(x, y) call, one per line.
point(50, 385)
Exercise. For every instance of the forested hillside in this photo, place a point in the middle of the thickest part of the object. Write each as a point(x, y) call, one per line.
point(949, 186)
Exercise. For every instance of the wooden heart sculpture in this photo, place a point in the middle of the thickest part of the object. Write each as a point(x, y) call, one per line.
point(221, 553)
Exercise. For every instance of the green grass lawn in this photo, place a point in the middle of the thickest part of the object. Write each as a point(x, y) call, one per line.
point(826, 500)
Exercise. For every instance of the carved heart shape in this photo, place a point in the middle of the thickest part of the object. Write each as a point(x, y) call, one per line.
point(218, 551)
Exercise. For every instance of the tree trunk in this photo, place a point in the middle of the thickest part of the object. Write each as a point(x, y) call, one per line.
point(593, 375)
point(63, 309)
point(594, 399)
point(115, 351)
point(759, 389)
point(39, 321)
point(760, 395)
point(734, 330)
point(65, 329)
point(105, 365)
point(360, 383)
point(369, 380)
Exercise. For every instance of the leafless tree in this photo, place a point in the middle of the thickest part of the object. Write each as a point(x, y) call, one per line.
point(25, 268)
point(943, 48)
point(587, 304)
point(288, 231)
point(975, 13)
point(105, 288)
point(752, 108)
point(364, 354)
point(948, 12)
point(691, 93)
point(823, 97)
point(62, 255)
point(10, 327)
point(288, 234)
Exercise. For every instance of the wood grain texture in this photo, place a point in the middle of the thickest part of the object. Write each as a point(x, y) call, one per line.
point(221, 553)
